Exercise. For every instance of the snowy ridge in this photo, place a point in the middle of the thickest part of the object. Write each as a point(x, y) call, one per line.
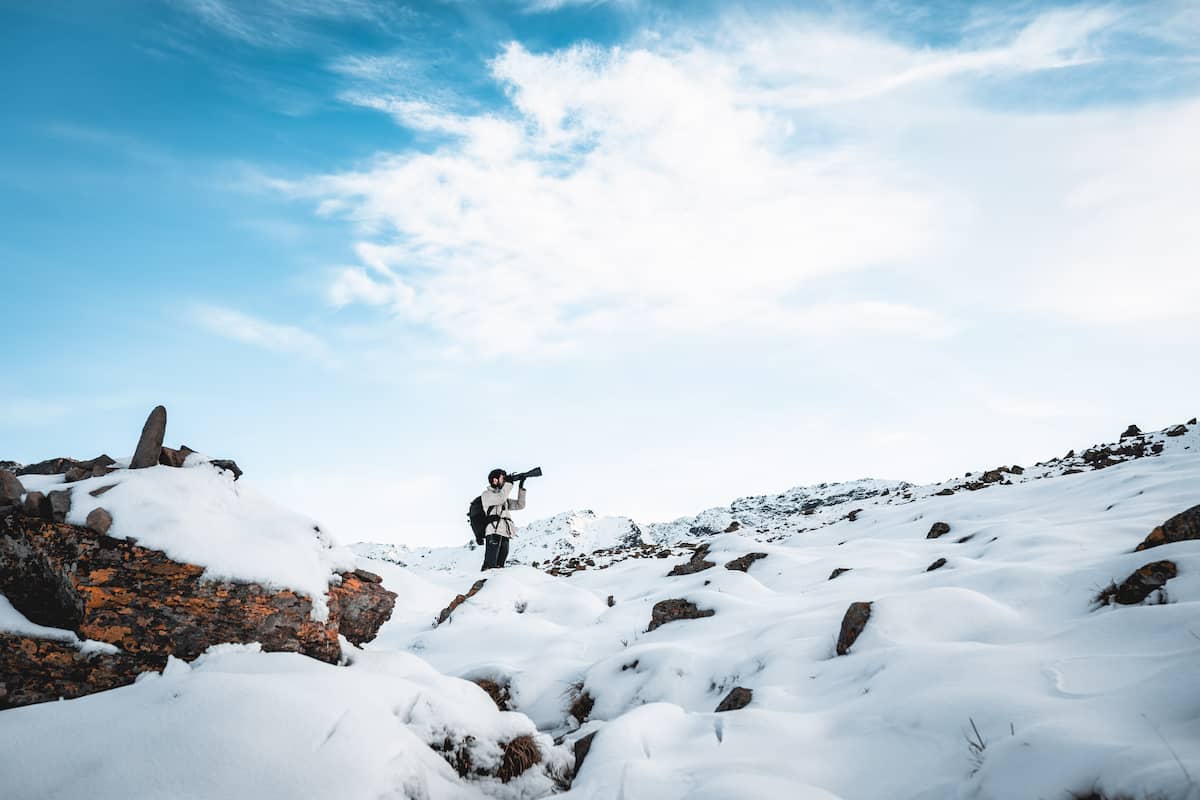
point(988, 668)
point(557, 541)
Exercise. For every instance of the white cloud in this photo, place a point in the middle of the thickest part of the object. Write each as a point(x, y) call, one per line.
point(689, 182)
point(242, 327)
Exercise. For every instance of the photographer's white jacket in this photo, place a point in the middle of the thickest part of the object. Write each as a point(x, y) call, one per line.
point(495, 501)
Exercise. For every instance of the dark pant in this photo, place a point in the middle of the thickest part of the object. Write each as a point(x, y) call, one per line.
point(495, 551)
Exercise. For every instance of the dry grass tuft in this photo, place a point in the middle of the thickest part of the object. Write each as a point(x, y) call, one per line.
point(519, 755)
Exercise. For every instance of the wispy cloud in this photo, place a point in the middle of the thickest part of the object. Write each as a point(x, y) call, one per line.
point(700, 180)
point(289, 23)
point(241, 327)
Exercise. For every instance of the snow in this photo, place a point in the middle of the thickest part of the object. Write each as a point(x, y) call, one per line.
point(1005, 639)
point(198, 514)
point(14, 622)
point(241, 723)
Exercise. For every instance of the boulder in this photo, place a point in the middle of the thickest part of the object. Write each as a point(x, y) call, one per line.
point(941, 562)
point(34, 670)
point(697, 563)
point(138, 599)
point(738, 698)
point(853, 623)
point(37, 505)
point(1183, 526)
point(944, 492)
point(838, 571)
point(1131, 431)
point(10, 488)
point(674, 610)
point(742, 563)
point(149, 445)
point(1143, 582)
point(99, 520)
point(174, 458)
point(938, 529)
point(458, 601)
point(60, 504)
point(361, 604)
point(1178, 430)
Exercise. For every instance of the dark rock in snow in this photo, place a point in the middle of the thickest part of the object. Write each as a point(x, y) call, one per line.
point(742, 563)
point(853, 623)
point(1183, 526)
point(99, 520)
point(738, 698)
point(696, 564)
point(674, 610)
point(944, 492)
point(149, 445)
point(1141, 584)
point(228, 465)
point(1131, 431)
point(459, 600)
point(733, 526)
point(1178, 430)
point(941, 562)
point(582, 747)
point(938, 529)
point(838, 571)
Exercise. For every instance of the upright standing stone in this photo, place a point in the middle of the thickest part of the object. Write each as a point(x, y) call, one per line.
point(150, 445)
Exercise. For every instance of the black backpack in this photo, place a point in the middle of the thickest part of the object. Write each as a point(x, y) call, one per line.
point(479, 519)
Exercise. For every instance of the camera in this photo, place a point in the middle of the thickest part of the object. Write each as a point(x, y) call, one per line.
point(536, 472)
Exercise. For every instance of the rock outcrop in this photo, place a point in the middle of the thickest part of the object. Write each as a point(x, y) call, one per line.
point(1143, 582)
point(1181, 527)
point(149, 606)
point(34, 670)
point(697, 563)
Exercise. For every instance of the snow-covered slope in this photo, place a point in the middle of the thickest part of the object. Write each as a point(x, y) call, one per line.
point(995, 676)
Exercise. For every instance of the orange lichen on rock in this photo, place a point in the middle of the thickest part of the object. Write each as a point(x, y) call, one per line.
point(115, 591)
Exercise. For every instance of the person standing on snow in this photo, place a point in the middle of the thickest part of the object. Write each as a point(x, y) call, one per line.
point(500, 527)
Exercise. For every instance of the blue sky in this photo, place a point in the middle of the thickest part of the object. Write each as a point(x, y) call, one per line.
point(674, 253)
